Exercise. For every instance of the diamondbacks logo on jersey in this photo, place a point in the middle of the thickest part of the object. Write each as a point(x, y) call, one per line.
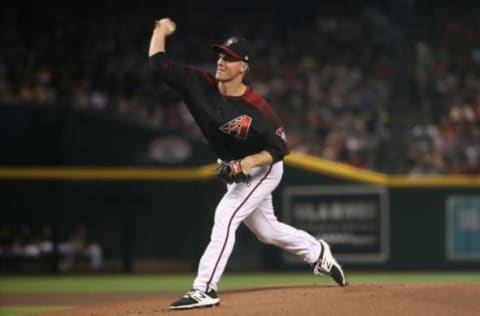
point(238, 127)
point(281, 132)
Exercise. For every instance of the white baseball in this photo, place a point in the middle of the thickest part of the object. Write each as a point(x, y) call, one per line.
point(169, 24)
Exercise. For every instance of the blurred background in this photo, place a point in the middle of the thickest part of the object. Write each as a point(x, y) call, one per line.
point(389, 87)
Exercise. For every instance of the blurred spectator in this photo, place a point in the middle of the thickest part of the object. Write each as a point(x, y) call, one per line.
point(6, 241)
point(23, 244)
point(27, 243)
point(77, 246)
point(46, 243)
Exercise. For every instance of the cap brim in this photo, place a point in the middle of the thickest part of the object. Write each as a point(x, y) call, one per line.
point(225, 50)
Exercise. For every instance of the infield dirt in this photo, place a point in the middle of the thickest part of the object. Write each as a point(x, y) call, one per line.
point(358, 299)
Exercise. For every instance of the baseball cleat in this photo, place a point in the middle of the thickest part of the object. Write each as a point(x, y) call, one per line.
point(195, 299)
point(327, 265)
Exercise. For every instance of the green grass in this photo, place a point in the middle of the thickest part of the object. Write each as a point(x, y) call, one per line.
point(182, 282)
point(13, 311)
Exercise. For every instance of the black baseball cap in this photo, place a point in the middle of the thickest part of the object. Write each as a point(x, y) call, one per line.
point(236, 47)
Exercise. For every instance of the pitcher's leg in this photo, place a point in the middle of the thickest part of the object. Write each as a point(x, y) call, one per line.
point(265, 225)
point(214, 259)
point(237, 204)
point(317, 253)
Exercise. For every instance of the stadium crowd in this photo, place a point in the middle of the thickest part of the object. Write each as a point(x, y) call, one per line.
point(446, 72)
point(25, 243)
point(330, 73)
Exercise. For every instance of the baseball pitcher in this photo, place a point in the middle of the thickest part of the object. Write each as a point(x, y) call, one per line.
point(250, 143)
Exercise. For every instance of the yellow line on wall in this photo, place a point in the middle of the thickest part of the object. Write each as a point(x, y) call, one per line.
point(348, 172)
point(335, 169)
point(107, 174)
point(297, 160)
point(434, 181)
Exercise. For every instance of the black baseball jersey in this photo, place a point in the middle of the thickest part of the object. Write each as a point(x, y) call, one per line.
point(235, 127)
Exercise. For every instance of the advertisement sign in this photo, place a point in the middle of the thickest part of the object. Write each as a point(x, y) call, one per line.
point(352, 218)
point(463, 228)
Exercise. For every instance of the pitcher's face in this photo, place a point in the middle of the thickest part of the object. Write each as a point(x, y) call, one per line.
point(229, 68)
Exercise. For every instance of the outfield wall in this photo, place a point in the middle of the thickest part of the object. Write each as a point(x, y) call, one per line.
point(162, 213)
point(403, 223)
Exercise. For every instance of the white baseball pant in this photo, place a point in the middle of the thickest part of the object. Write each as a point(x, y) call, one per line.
point(251, 204)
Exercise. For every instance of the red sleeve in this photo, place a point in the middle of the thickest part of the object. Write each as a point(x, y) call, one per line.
point(269, 127)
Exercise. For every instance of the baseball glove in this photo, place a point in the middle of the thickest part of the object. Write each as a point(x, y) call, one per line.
point(231, 172)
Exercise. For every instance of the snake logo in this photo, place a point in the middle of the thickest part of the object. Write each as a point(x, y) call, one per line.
point(230, 41)
point(238, 127)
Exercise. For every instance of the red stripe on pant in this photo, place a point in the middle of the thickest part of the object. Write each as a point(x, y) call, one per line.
point(230, 224)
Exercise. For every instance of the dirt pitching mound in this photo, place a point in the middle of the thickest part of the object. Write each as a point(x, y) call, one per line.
point(357, 299)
